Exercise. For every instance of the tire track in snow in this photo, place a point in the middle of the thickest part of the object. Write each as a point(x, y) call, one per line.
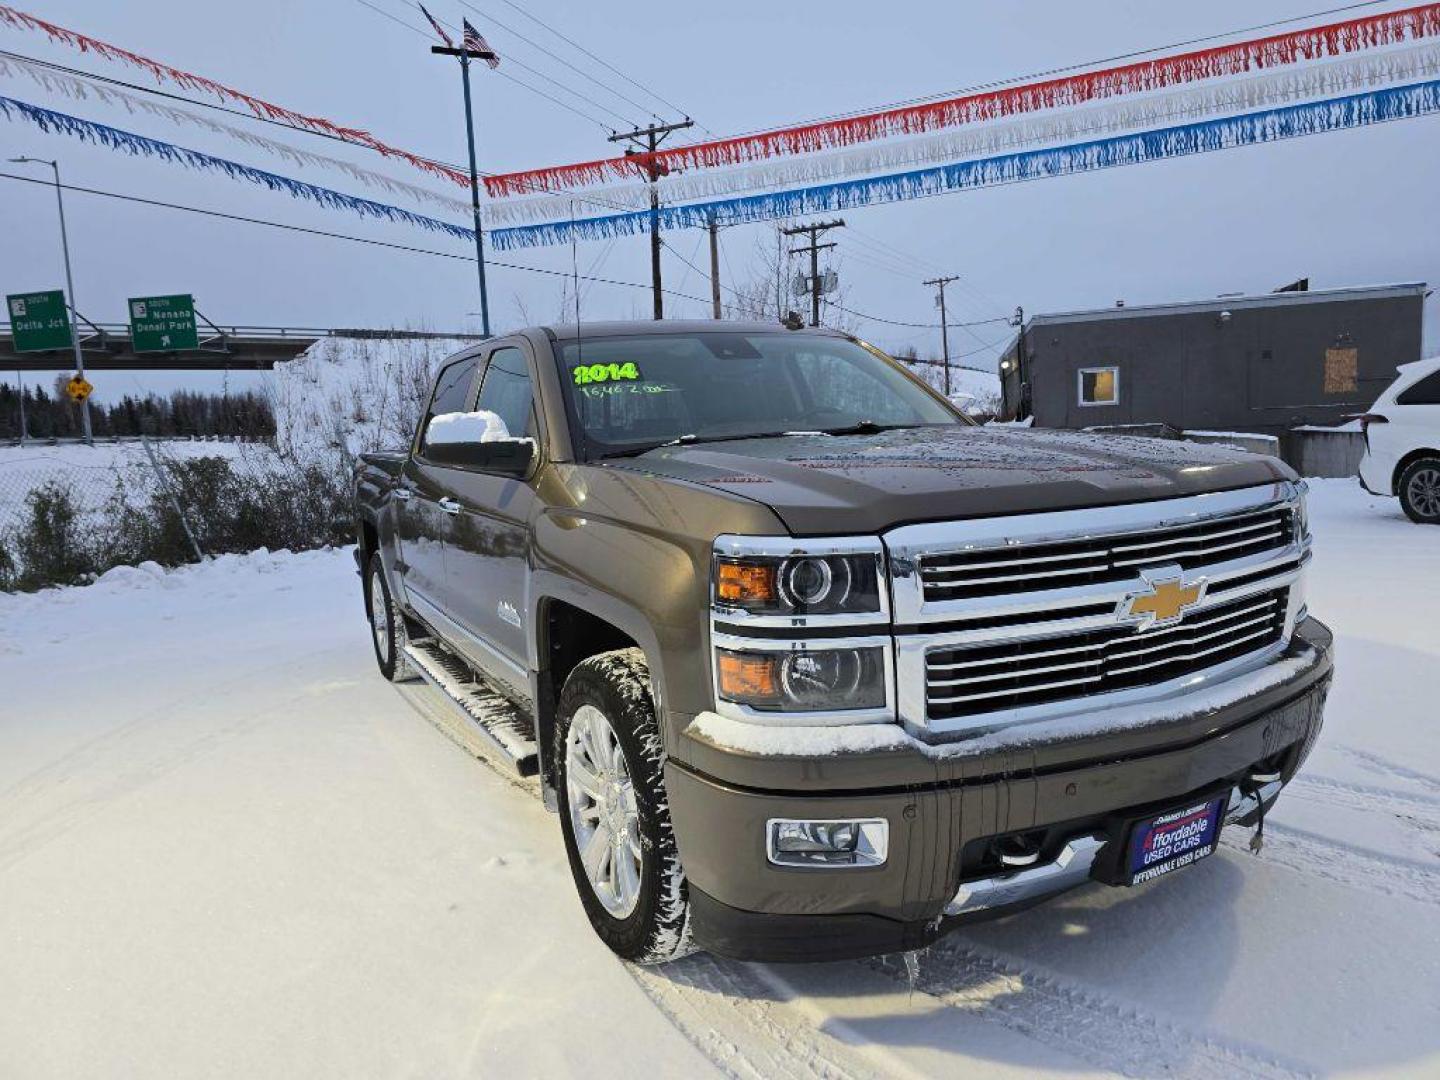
point(1421, 811)
point(1317, 856)
point(1078, 1018)
point(729, 1012)
point(1386, 767)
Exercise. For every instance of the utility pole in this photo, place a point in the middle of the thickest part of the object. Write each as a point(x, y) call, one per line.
point(814, 230)
point(645, 141)
point(69, 290)
point(715, 267)
point(465, 52)
point(939, 284)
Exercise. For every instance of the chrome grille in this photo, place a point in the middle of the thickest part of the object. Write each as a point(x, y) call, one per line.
point(964, 681)
point(1032, 567)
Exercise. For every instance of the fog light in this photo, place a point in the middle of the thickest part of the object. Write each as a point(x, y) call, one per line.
point(827, 844)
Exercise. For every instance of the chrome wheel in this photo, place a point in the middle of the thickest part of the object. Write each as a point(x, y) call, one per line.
point(379, 617)
point(603, 812)
point(1423, 491)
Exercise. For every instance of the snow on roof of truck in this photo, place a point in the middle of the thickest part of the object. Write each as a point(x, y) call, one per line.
point(1223, 303)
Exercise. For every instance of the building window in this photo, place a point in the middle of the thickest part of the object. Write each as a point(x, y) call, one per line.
point(1099, 386)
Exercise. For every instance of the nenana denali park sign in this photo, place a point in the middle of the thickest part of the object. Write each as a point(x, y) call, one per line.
point(39, 321)
point(163, 323)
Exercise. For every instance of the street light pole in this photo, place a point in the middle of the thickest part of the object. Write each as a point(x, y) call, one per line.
point(69, 288)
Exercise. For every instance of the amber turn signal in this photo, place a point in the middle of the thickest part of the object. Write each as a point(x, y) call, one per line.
point(748, 677)
point(745, 583)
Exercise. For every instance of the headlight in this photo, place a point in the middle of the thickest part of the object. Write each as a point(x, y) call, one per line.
point(1301, 519)
point(822, 680)
point(798, 584)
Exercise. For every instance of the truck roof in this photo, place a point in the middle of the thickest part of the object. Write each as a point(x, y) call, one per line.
point(633, 327)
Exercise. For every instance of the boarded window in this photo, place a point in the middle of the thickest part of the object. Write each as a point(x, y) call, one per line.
point(1341, 368)
point(1099, 386)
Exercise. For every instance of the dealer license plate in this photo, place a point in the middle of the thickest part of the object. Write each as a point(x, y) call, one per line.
point(1174, 839)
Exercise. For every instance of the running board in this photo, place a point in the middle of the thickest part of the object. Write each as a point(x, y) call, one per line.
point(504, 727)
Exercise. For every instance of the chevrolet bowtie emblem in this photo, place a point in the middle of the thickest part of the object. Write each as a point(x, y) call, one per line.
point(1163, 599)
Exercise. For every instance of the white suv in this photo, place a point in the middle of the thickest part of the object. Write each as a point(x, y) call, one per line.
point(1402, 442)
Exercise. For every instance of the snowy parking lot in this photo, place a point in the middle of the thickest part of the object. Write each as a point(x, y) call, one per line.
point(229, 848)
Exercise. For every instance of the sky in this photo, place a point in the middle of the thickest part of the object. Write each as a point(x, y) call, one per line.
point(1347, 208)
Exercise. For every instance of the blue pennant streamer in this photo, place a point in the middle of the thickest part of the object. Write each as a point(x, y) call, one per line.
point(1269, 125)
point(48, 120)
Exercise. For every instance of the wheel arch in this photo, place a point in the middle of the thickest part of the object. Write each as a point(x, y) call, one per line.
point(1406, 461)
point(570, 628)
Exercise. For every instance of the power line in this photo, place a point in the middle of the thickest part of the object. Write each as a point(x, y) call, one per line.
point(921, 326)
point(511, 78)
point(644, 109)
point(330, 235)
point(603, 63)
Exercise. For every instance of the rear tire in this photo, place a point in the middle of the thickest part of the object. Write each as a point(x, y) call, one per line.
point(387, 626)
point(614, 815)
point(1420, 491)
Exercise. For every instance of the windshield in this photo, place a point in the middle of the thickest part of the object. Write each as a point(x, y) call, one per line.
point(629, 394)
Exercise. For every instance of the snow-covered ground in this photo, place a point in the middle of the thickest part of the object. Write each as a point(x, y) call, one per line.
point(228, 848)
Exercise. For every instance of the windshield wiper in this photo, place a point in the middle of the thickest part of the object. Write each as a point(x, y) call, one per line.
point(866, 427)
point(691, 439)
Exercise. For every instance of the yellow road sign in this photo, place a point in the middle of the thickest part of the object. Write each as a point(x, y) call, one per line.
point(78, 388)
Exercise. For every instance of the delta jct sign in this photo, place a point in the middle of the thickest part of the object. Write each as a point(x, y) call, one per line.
point(39, 321)
point(163, 323)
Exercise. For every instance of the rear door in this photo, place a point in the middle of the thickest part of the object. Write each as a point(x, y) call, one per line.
point(487, 557)
point(424, 523)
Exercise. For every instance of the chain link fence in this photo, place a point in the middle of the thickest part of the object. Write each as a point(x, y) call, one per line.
point(64, 522)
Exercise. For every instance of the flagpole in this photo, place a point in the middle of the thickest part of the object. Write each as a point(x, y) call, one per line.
point(465, 52)
point(475, 195)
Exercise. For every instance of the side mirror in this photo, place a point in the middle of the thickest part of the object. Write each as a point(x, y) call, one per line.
point(477, 440)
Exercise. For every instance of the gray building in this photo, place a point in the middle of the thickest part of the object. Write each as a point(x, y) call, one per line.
point(1263, 364)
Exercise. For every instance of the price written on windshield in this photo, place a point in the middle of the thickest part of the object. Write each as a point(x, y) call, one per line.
point(599, 373)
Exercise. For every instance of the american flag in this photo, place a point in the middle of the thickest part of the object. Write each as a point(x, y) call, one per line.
point(476, 45)
point(438, 28)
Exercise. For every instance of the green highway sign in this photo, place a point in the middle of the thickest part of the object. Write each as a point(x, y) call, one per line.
point(163, 323)
point(39, 321)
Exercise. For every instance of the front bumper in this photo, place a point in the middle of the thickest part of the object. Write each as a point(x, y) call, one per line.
point(946, 812)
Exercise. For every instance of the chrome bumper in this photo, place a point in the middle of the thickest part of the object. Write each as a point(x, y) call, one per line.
point(1072, 866)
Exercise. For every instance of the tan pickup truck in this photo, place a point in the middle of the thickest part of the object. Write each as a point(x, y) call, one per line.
point(812, 667)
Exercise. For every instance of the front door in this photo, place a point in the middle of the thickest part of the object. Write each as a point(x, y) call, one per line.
point(487, 555)
point(424, 523)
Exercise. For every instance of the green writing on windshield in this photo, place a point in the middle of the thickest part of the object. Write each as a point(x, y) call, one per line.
point(599, 373)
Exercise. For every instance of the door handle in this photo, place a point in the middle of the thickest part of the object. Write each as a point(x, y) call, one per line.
point(450, 506)
point(403, 493)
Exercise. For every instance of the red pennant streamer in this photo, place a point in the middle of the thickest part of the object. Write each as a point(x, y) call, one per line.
point(265, 109)
point(1222, 60)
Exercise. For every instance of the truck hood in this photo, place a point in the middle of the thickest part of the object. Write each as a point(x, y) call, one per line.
point(822, 485)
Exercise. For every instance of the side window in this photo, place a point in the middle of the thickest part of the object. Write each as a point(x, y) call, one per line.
point(1424, 392)
point(506, 392)
point(1099, 386)
point(452, 390)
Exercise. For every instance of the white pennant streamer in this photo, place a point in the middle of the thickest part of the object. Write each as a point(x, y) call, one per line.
point(1346, 76)
point(80, 89)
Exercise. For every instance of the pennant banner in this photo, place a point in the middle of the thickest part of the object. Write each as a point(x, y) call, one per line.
point(48, 120)
point(80, 89)
point(1270, 125)
point(1414, 64)
point(264, 109)
point(1390, 28)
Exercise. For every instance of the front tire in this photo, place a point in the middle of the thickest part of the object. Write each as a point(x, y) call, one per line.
point(613, 812)
point(1420, 491)
point(387, 626)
